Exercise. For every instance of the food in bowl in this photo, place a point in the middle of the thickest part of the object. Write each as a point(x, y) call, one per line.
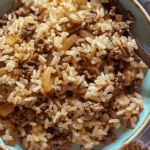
point(68, 74)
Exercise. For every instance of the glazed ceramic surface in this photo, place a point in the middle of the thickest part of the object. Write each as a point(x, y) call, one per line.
point(141, 31)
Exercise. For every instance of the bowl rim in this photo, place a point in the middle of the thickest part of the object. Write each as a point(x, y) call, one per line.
point(136, 133)
point(147, 120)
point(138, 5)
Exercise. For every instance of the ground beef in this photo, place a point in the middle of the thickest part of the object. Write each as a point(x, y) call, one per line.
point(129, 19)
point(120, 27)
point(56, 89)
point(28, 72)
point(89, 76)
point(43, 106)
point(63, 66)
point(3, 21)
point(83, 25)
point(21, 116)
point(119, 82)
point(30, 62)
point(137, 83)
point(65, 129)
point(28, 67)
point(80, 41)
point(73, 27)
point(19, 120)
point(20, 12)
point(81, 86)
point(116, 53)
point(49, 112)
point(28, 30)
point(91, 28)
point(39, 109)
point(103, 141)
point(90, 109)
point(91, 17)
point(112, 11)
point(87, 24)
point(112, 113)
point(110, 33)
point(133, 86)
point(111, 136)
point(41, 45)
point(105, 118)
point(106, 104)
point(61, 142)
point(70, 25)
point(18, 71)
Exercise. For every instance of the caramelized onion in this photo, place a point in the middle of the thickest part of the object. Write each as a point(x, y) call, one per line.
point(11, 39)
point(2, 71)
point(119, 18)
point(5, 109)
point(49, 60)
point(46, 81)
point(69, 42)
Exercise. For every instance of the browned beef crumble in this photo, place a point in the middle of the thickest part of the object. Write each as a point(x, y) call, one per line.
point(105, 118)
point(112, 11)
point(28, 30)
point(119, 83)
point(91, 28)
point(63, 66)
point(111, 136)
point(28, 67)
point(90, 109)
point(91, 18)
point(62, 142)
point(116, 53)
point(120, 27)
point(130, 19)
point(135, 84)
point(41, 45)
point(80, 41)
point(73, 27)
point(89, 75)
point(3, 20)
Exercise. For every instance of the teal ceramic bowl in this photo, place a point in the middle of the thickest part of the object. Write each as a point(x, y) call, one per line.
point(141, 31)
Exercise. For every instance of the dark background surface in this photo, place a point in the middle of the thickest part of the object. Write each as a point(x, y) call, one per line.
point(146, 5)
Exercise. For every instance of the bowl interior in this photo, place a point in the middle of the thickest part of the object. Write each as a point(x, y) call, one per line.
point(141, 31)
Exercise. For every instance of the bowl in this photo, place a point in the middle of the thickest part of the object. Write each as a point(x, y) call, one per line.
point(141, 31)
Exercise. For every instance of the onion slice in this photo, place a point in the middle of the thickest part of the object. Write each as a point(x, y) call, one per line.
point(69, 42)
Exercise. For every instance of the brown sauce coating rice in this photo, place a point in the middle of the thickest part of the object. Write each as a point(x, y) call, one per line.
point(68, 74)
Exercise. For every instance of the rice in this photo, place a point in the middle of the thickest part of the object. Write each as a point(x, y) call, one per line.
point(36, 81)
point(23, 132)
point(42, 59)
point(3, 58)
point(37, 88)
point(7, 51)
point(30, 98)
point(114, 120)
point(55, 60)
point(63, 71)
